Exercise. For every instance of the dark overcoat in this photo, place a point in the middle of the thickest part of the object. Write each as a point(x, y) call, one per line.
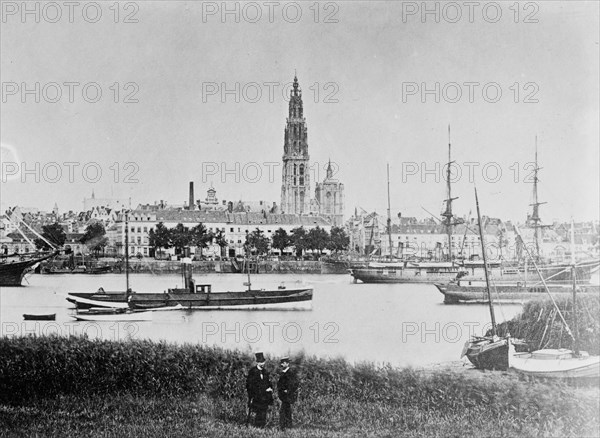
point(257, 383)
point(287, 387)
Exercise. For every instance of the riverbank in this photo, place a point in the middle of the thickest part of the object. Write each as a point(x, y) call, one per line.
point(79, 387)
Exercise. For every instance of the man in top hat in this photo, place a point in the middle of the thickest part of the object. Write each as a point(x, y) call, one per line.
point(287, 390)
point(260, 391)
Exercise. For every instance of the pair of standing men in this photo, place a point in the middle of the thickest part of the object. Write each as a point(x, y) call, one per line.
point(260, 392)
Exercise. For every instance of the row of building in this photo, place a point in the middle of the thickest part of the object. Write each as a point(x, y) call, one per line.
point(298, 207)
point(368, 232)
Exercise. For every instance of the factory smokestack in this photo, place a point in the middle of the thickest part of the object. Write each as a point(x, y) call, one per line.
point(191, 203)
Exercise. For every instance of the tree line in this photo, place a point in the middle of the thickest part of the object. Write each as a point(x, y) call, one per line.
point(94, 237)
point(256, 242)
point(316, 240)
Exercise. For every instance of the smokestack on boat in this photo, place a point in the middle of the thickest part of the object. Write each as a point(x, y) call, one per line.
point(186, 264)
point(191, 203)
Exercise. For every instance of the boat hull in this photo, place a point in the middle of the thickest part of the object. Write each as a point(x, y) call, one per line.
point(386, 275)
point(556, 364)
point(508, 293)
point(488, 354)
point(256, 299)
point(85, 301)
point(294, 298)
point(12, 273)
point(332, 266)
point(43, 317)
point(113, 316)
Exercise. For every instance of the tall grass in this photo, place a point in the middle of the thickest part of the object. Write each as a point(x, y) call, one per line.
point(541, 326)
point(80, 381)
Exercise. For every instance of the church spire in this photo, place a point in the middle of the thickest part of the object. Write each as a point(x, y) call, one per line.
point(296, 107)
point(329, 170)
point(295, 188)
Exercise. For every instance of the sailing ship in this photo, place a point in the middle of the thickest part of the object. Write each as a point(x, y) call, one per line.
point(518, 283)
point(558, 363)
point(487, 352)
point(14, 267)
point(404, 271)
point(551, 271)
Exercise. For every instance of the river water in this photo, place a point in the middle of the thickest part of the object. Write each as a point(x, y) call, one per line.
point(399, 324)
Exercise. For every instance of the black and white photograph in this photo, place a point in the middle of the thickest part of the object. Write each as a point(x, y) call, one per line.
point(300, 218)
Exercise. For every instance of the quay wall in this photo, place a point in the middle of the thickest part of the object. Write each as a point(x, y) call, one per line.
point(174, 267)
point(264, 267)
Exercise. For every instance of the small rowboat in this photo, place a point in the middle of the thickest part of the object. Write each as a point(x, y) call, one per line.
point(37, 317)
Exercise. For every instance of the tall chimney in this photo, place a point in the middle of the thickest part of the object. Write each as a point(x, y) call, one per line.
point(191, 202)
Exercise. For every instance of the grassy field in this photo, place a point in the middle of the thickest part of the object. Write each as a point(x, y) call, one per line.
point(73, 387)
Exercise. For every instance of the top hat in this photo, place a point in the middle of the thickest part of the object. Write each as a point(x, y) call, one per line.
point(260, 358)
point(284, 359)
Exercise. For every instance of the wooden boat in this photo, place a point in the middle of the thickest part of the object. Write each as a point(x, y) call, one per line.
point(106, 314)
point(332, 265)
point(472, 291)
point(39, 317)
point(99, 299)
point(487, 352)
point(558, 363)
point(80, 269)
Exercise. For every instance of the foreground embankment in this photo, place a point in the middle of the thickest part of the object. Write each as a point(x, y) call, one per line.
point(72, 387)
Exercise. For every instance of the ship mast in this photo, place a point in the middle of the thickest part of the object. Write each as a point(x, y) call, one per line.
point(534, 219)
point(126, 255)
point(447, 214)
point(389, 218)
point(574, 279)
point(487, 279)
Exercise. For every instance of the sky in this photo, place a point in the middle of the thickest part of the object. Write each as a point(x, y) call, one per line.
point(136, 100)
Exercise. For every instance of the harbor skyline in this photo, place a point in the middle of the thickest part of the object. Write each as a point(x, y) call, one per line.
point(211, 109)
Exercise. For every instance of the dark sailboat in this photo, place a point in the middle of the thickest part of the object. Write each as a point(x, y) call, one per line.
point(487, 352)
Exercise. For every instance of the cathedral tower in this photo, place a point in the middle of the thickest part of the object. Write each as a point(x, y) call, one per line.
point(330, 198)
point(295, 181)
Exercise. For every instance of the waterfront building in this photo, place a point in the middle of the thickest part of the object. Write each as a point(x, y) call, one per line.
point(233, 226)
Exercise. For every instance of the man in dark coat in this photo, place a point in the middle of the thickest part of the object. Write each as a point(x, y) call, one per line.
point(260, 391)
point(287, 390)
